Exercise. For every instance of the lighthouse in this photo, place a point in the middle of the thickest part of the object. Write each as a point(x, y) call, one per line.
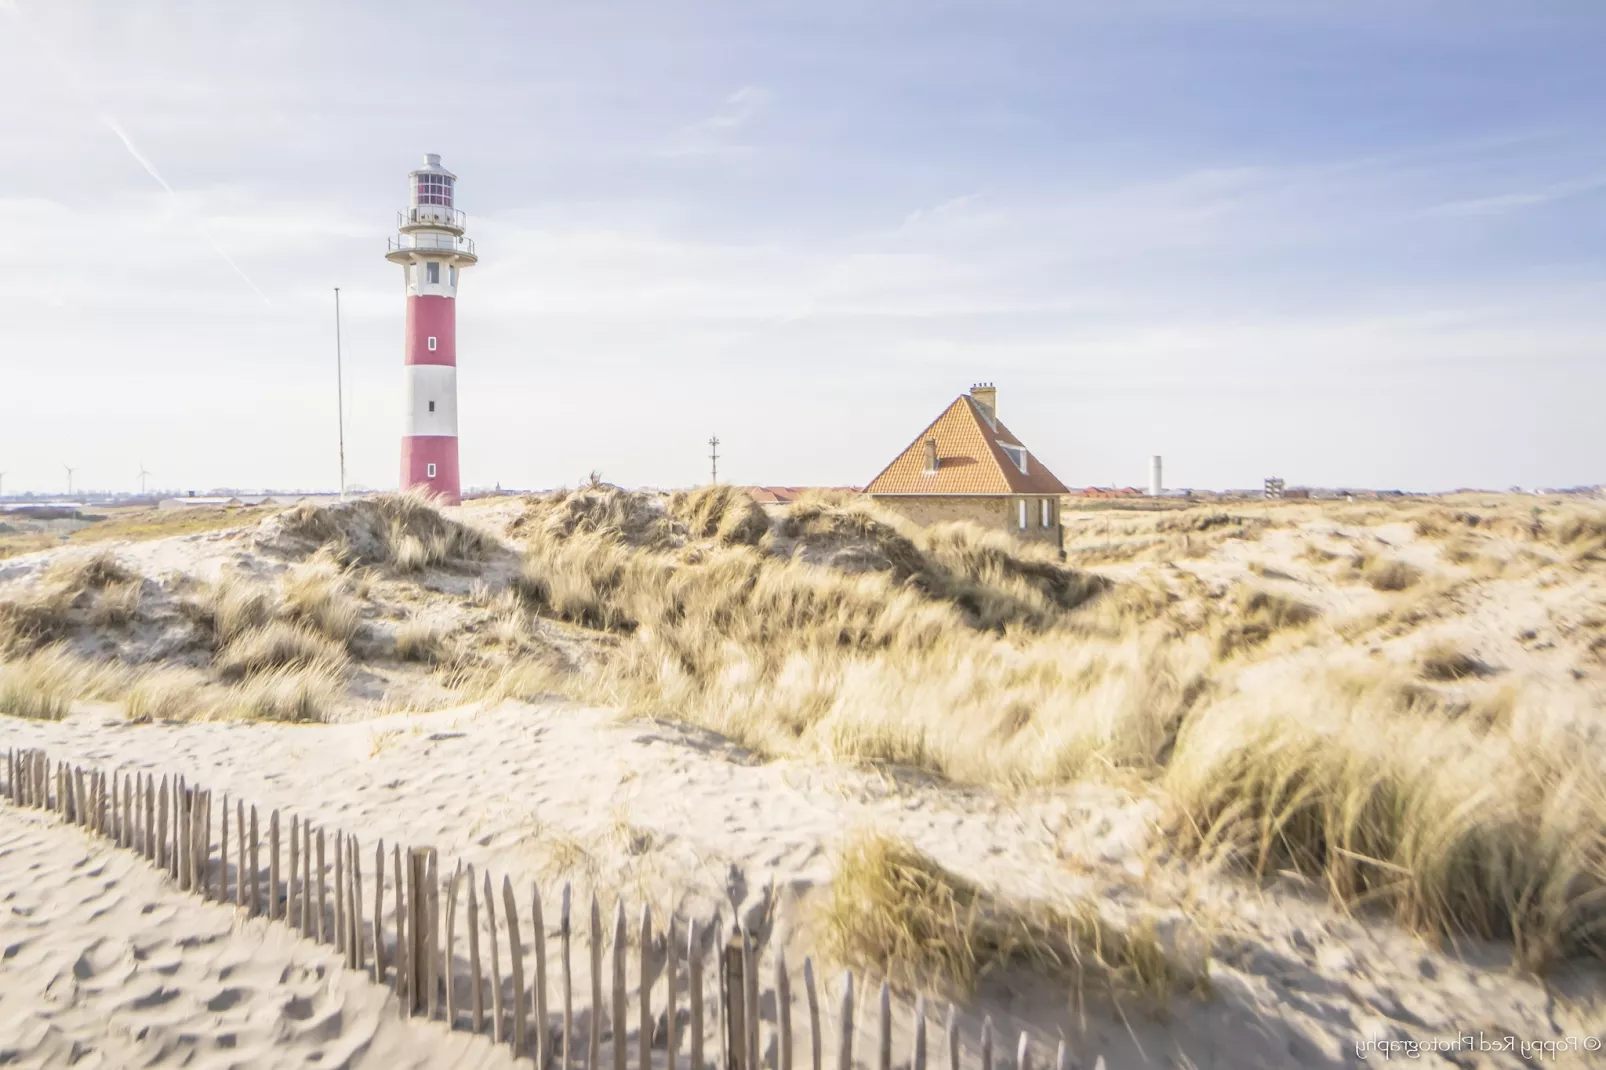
point(431, 248)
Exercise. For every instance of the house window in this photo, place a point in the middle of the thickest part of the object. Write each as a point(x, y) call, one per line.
point(432, 409)
point(1048, 513)
point(430, 471)
point(1016, 454)
point(1023, 517)
point(432, 343)
point(433, 271)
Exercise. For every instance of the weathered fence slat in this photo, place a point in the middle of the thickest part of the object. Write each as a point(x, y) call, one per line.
point(379, 917)
point(619, 1012)
point(644, 1000)
point(241, 871)
point(161, 823)
point(542, 1032)
point(275, 908)
point(323, 889)
point(451, 947)
point(884, 1032)
point(496, 963)
point(594, 1041)
point(516, 962)
point(306, 880)
point(750, 996)
point(340, 892)
point(564, 933)
point(354, 906)
point(844, 1051)
point(1023, 1052)
point(783, 1012)
point(256, 867)
point(733, 1003)
point(476, 989)
point(183, 832)
point(671, 994)
point(291, 892)
point(1062, 1057)
point(694, 995)
point(432, 914)
point(404, 975)
point(812, 992)
point(150, 818)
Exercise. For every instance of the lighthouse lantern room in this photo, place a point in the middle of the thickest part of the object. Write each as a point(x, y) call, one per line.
point(431, 248)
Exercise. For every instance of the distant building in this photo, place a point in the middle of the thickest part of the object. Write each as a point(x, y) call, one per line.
point(968, 466)
point(235, 501)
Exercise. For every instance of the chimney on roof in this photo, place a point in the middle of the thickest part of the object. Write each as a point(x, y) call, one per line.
point(931, 455)
point(986, 395)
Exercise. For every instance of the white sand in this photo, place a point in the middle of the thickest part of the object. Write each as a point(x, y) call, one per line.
point(107, 964)
point(545, 793)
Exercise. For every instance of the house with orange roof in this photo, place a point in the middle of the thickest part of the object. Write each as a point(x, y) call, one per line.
point(968, 466)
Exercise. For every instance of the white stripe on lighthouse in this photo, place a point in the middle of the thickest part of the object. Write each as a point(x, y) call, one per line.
point(430, 385)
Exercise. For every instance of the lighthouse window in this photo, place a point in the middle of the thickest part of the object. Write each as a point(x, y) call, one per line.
point(434, 271)
point(454, 274)
point(434, 189)
point(432, 406)
point(430, 471)
point(432, 343)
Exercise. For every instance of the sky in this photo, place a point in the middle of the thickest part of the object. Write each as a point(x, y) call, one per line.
point(1343, 242)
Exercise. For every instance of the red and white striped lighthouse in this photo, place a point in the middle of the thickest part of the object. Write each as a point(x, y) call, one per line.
point(431, 247)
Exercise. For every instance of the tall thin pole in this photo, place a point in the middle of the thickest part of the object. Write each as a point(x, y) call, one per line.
point(713, 455)
point(340, 395)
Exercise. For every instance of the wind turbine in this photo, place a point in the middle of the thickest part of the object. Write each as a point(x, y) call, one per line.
point(142, 475)
point(70, 471)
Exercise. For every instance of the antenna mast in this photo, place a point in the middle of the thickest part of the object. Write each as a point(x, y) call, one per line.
point(713, 456)
point(340, 396)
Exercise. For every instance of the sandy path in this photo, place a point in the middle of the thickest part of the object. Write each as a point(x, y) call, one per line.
point(107, 964)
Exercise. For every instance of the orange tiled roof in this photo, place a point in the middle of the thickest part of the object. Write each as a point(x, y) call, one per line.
point(970, 459)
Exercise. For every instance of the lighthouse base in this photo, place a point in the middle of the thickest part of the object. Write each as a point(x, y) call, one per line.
point(419, 453)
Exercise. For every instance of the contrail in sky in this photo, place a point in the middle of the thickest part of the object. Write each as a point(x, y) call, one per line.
point(128, 143)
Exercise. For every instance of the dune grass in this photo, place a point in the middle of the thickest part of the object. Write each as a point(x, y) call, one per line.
point(297, 692)
point(275, 645)
point(1454, 828)
point(896, 913)
point(43, 684)
point(318, 593)
point(422, 641)
point(404, 532)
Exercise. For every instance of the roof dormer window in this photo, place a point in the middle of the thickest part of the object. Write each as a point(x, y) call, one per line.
point(1016, 454)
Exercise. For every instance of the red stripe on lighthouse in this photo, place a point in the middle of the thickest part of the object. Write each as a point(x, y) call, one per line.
point(431, 317)
point(421, 451)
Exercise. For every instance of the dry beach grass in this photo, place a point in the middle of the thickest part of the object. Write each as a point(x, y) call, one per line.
point(1397, 703)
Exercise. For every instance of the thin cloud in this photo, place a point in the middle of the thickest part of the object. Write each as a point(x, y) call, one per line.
point(714, 135)
point(1515, 202)
point(111, 123)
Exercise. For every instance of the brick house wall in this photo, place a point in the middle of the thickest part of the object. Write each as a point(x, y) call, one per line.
point(997, 512)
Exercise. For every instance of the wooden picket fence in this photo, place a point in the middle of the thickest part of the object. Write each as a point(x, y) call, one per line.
point(171, 823)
